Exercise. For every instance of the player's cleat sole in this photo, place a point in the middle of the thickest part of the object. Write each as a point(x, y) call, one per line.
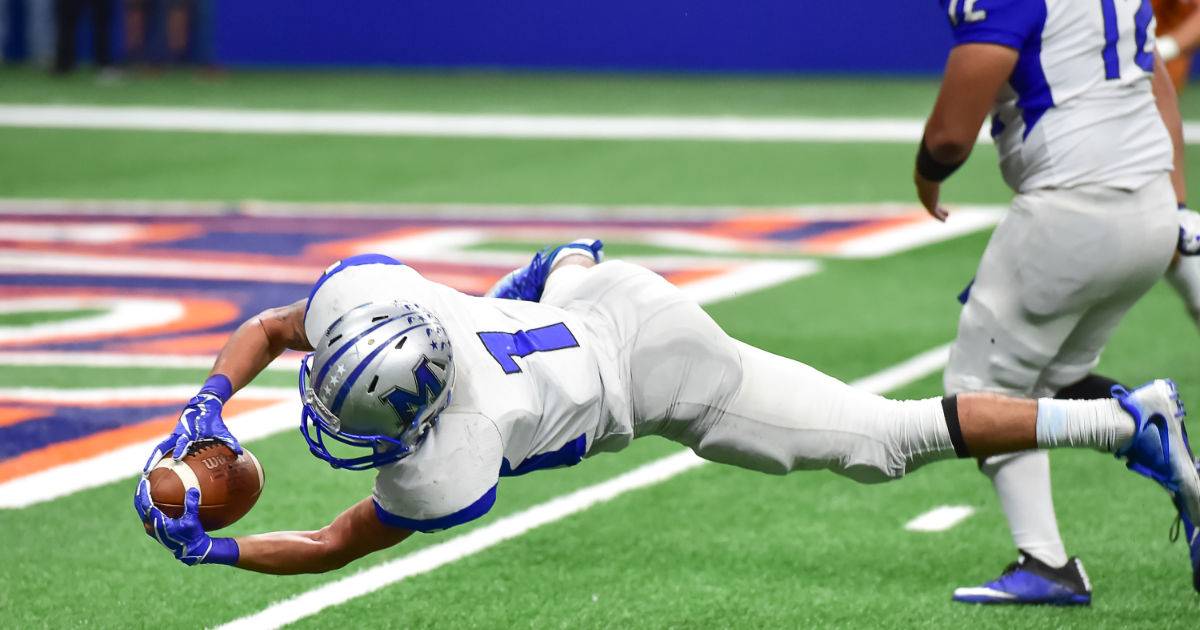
point(527, 283)
point(1160, 450)
point(1192, 537)
point(1029, 581)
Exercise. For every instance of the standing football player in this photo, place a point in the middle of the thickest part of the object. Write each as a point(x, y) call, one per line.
point(444, 394)
point(1088, 131)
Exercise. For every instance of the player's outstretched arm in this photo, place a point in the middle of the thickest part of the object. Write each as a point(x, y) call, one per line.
point(352, 535)
point(260, 340)
point(257, 342)
point(975, 72)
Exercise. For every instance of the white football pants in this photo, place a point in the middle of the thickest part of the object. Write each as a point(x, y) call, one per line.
point(732, 403)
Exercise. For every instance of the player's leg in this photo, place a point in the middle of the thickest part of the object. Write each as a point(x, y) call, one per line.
point(781, 415)
point(1030, 301)
point(741, 405)
point(784, 416)
point(1184, 277)
point(994, 352)
point(764, 412)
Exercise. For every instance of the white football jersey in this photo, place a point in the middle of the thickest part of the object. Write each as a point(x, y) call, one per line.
point(1078, 108)
point(529, 393)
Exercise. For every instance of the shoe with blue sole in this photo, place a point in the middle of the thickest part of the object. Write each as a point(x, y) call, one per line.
point(1033, 582)
point(1160, 450)
point(527, 283)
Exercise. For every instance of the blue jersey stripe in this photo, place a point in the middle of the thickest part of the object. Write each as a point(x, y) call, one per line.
point(1029, 78)
point(1112, 64)
point(480, 507)
point(1141, 22)
point(570, 454)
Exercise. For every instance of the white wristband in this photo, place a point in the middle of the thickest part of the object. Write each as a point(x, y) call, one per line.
point(1168, 48)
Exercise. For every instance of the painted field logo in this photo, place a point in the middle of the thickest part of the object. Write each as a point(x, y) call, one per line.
point(113, 289)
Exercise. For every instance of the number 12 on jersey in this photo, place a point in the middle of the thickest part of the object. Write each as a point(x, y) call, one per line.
point(505, 347)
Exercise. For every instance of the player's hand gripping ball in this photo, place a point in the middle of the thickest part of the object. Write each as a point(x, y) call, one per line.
point(209, 488)
point(229, 484)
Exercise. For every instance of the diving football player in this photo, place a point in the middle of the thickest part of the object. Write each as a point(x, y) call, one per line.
point(445, 394)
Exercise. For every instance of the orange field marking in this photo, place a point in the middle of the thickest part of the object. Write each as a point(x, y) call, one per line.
point(753, 225)
point(13, 415)
point(830, 242)
point(88, 446)
point(208, 344)
point(680, 278)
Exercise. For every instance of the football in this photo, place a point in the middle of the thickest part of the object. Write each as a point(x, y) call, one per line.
point(229, 484)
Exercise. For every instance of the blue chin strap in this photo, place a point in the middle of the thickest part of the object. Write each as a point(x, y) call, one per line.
point(315, 427)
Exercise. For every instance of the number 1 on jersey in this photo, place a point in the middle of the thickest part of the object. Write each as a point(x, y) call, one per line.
point(505, 347)
point(1112, 34)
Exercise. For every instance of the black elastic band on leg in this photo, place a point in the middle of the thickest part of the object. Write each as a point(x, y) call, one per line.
point(1090, 387)
point(950, 409)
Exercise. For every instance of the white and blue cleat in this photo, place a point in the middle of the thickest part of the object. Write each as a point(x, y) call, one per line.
point(1031, 581)
point(1160, 450)
point(527, 283)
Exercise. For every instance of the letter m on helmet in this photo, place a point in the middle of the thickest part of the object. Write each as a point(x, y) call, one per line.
point(430, 379)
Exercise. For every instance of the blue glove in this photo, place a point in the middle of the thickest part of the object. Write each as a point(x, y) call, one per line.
point(201, 419)
point(1189, 231)
point(183, 536)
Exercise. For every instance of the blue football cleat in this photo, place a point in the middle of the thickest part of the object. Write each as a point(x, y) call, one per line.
point(527, 283)
point(1160, 450)
point(1031, 581)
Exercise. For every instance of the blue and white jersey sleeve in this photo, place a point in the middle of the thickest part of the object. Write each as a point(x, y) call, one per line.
point(1078, 108)
point(449, 480)
point(1010, 23)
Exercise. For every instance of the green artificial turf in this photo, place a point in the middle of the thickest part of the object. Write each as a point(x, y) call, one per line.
point(76, 377)
point(488, 92)
point(322, 168)
point(27, 318)
point(713, 547)
point(716, 546)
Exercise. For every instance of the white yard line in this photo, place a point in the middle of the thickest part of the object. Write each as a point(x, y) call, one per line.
point(748, 279)
point(940, 518)
point(962, 220)
point(430, 558)
point(49, 262)
point(369, 580)
point(901, 374)
point(146, 393)
point(462, 125)
point(262, 121)
point(286, 363)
